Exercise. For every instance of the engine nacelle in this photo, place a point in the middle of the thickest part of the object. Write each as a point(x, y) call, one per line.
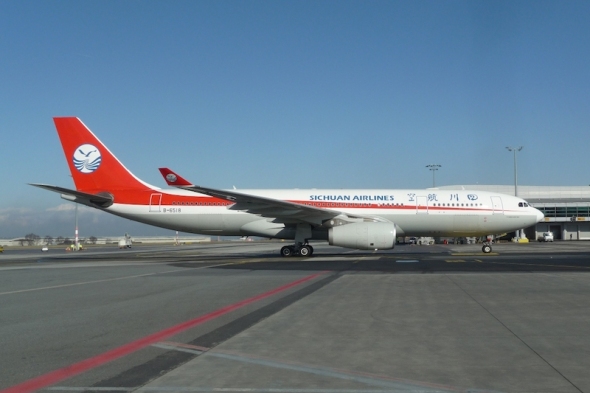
point(363, 235)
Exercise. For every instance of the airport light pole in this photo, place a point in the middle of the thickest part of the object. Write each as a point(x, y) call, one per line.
point(514, 150)
point(76, 239)
point(433, 168)
point(77, 247)
point(519, 232)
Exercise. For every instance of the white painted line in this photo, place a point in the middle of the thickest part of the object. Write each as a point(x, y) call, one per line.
point(65, 265)
point(107, 279)
point(346, 258)
point(272, 390)
point(390, 383)
point(183, 345)
point(407, 261)
point(83, 283)
point(214, 390)
point(179, 349)
point(368, 379)
point(88, 389)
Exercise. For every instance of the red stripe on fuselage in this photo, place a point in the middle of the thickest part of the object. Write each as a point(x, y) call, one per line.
point(150, 197)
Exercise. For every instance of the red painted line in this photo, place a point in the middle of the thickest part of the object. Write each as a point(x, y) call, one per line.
point(93, 362)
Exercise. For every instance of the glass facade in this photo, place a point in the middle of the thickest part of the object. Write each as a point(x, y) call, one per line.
point(565, 211)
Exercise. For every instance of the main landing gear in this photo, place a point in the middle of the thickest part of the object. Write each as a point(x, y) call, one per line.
point(304, 250)
point(301, 246)
point(486, 248)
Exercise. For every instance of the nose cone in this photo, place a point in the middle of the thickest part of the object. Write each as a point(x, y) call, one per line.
point(540, 215)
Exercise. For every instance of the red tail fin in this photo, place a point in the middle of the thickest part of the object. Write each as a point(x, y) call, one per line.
point(94, 168)
point(173, 178)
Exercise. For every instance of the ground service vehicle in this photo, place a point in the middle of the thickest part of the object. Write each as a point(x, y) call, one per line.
point(546, 237)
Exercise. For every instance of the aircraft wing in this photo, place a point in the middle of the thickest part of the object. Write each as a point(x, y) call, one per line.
point(282, 211)
point(78, 196)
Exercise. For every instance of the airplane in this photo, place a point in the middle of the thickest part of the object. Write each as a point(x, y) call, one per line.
point(357, 219)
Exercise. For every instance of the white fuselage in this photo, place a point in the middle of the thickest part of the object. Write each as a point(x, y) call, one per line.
point(357, 219)
point(428, 212)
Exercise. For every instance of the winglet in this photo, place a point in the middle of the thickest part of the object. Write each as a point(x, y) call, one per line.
point(174, 179)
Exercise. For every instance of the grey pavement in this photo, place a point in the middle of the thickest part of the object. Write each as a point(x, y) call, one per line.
point(452, 332)
point(372, 323)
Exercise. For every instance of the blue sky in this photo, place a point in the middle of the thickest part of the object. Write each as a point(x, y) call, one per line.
point(291, 94)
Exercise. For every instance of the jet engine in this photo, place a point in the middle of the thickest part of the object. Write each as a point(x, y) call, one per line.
point(363, 235)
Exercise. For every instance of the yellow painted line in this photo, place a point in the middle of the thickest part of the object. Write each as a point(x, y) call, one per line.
point(249, 261)
point(533, 264)
point(477, 260)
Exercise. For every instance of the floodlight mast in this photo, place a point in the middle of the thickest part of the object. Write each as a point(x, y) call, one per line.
point(514, 150)
point(519, 232)
point(433, 168)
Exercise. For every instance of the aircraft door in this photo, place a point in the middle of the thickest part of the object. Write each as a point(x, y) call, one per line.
point(497, 206)
point(155, 202)
point(421, 205)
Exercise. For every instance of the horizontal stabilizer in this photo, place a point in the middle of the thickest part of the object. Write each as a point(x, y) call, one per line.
point(100, 200)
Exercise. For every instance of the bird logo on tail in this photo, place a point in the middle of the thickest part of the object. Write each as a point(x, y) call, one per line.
point(87, 158)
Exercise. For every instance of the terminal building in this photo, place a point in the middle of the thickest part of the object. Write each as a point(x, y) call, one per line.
point(566, 209)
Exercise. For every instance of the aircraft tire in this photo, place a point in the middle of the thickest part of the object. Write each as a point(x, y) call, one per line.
point(305, 251)
point(486, 249)
point(287, 251)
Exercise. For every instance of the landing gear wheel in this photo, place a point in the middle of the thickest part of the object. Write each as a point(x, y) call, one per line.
point(305, 251)
point(311, 248)
point(486, 249)
point(287, 251)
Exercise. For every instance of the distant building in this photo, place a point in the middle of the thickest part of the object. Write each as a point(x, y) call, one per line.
point(115, 240)
point(566, 208)
point(11, 242)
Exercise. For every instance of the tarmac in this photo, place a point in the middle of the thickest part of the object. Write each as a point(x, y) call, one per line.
point(236, 317)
